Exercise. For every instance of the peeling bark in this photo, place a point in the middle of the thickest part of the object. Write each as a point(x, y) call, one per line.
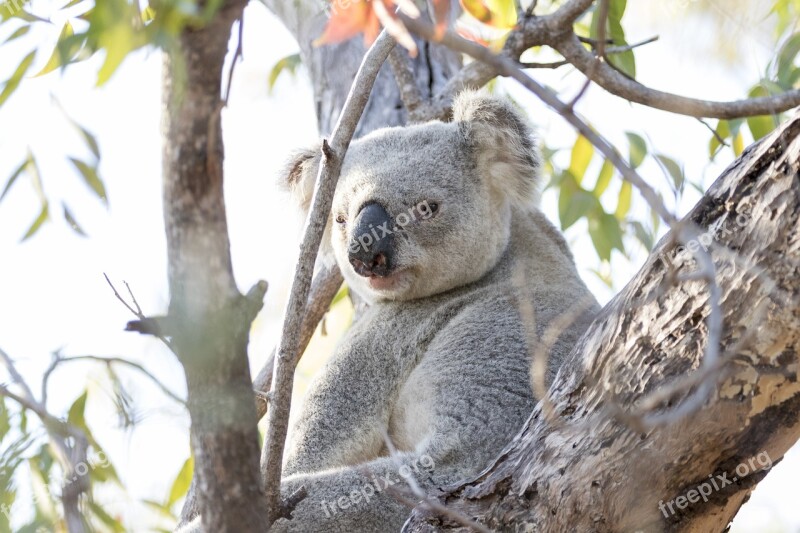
point(586, 470)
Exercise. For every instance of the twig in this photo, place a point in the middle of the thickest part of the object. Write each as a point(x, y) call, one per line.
point(288, 351)
point(145, 325)
point(57, 360)
point(239, 54)
point(323, 289)
point(600, 47)
point(612, 81)
point(428, 501)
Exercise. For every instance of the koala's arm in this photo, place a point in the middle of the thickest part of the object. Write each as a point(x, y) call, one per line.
point(471, 390)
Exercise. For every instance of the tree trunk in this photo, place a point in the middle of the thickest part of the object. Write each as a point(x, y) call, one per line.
point(332, 68)
point(584, 468)
point(209, 320)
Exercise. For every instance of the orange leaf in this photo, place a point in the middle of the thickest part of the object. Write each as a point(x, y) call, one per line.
point(468, 35)
point(347, 22)
point(478, 9)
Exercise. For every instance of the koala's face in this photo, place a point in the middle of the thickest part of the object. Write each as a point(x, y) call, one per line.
point(420, 210)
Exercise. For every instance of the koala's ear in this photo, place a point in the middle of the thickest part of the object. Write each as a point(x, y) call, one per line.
point(300, 174)
point(502, 144)
point(298, 177)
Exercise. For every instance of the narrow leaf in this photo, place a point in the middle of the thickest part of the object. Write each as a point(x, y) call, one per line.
point(16, 78)
point(44, 214)
point(91, 178)
point(624, 201)
point(72, 222)
point(638, 149)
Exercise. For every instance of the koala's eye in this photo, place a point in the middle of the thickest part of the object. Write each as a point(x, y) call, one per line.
point(340, 219)
point(427, 209)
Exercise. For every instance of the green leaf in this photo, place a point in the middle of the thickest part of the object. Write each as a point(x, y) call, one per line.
point(582, 153)
point(105, 518)
point(643, 235)
point(77, 410)
point(606, 235)
point(624, 201)
point(625, 61)
point(288, 63)
point(673, 169)
point(44, 214)
point(574, 202)
point(762, 125)
point(16, 78)
point(341, 295)
point(738, 144)
point(91, 178)
point(785, 61)
point(638, 149)
point(14, 175)
point(604, 178)
point(723, 132)
point(72, 222)
point(66, 49)
point(181, 484)
point(19, 32)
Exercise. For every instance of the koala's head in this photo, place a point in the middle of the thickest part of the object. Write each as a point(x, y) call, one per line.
point(422, 209)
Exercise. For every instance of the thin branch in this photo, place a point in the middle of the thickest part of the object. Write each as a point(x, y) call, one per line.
point(600, 48)
point(57, 360)
point(288, 352)
point(144, 324)
point(323, 289)
point(239, 54)
point(612, 81)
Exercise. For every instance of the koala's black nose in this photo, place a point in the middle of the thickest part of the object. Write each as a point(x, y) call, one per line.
point(371, 247)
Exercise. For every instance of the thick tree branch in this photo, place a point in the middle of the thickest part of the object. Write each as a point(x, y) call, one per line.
point(289, 348)
point(209, 319)
point(593, 472)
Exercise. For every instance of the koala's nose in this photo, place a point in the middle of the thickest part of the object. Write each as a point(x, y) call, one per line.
point(371, 248)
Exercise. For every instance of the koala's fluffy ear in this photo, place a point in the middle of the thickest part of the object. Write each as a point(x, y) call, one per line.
point(502, 143)
point(298, 177)
point(300, 174)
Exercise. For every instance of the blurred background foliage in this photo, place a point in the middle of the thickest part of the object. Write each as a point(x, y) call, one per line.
point(588, 188)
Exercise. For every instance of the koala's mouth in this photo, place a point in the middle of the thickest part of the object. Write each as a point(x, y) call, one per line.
point(393, 281)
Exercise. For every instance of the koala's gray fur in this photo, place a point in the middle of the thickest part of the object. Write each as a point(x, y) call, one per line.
point(440, 360)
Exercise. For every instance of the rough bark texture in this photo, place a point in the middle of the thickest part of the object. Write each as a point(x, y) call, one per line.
point(584, 469)
point(211, 318)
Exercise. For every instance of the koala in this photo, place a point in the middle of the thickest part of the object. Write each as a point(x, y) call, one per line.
point(437, 227)
point(430, 224)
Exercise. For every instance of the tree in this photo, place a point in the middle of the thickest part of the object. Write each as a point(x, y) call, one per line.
point(743, 390)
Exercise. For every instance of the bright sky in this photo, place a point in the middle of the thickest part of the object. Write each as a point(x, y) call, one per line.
point(52, 292)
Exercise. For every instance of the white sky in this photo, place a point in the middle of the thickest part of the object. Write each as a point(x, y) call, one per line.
point(52, 293)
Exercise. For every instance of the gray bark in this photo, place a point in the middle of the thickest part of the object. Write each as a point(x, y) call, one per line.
point(209, 320)
point(333, 68)
point(586, 470)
